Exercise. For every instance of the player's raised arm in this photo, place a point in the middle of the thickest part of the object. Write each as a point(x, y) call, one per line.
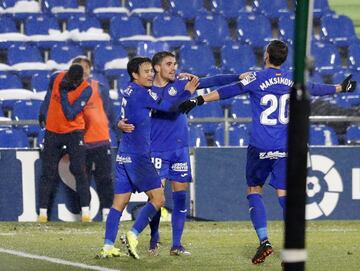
point(347, 85)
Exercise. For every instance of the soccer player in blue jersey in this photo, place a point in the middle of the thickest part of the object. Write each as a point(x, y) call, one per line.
point(169, 144)
point(134, 170)
point(267, 151)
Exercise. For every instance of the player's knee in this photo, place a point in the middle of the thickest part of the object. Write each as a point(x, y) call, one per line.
point(254, 190)
point(158, 201)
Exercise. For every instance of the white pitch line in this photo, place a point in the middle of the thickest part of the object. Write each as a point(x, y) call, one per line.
point(55, 260)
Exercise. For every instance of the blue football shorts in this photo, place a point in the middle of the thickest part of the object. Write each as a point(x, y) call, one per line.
point(135, 173)
point(173, 165)
point(262, 164)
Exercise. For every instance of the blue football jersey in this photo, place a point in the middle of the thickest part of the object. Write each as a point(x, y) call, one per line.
point(136, 106)
point(169, 129)
point(269, 92)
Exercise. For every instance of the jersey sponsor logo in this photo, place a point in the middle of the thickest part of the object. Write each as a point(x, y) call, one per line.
point(123, 159)
point(323, 186)
point(272, 155)
point(248, 79)
point(181, 167)
point(276, 81)
point(172, 91)
point(153, 94)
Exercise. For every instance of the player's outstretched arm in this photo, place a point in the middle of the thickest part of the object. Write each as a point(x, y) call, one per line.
point(347, 85)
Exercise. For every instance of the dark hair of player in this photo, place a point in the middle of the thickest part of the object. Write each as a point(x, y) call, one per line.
point(277, 51)
point(78, 59)
point(134, 64)
point(158, 57)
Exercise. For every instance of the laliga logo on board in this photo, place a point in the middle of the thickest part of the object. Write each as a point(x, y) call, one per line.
point(323, 187)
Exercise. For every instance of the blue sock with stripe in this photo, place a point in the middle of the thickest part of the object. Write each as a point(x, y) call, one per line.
point(145, 216)
point(178, 216)
point(258, 215)
point(112, 226)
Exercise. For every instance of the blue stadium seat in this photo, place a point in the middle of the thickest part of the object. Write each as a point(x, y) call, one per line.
point(40, 81)
point(286, 27)
point(62, 9)
point(238, 135)
point(230, 9)
point(316, 78)
point(146, 9)
point(128, 31)
point(197, 59)
point(9, 81)
point(321, 8)
point(322, 135)
point(9, 34)
point(101, 78)
point(26, 59)
point(238, 58)
point(148, 49)
point(338, 29)
point(211, 29)
point(327, 58)
point(271, 9)
point(241, 108)
point(352, 135)
point(61, 56)
point(354, 56)
point(20, 10)
point(122, 82)
point(87, 31)
point(170, 29)
point(254, 30)
point(13, 138)
point(105, 9)
point(113, 139)
point(111, 59)
point(27, 110)
point(189, 11)
point(206, 111)
point(197, 136)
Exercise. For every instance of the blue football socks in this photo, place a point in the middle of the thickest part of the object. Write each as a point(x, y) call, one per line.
point(112, 226)
point(258, 215)
point(145, 216)
point(178, 216)
point(154, 227)
point(282, 201)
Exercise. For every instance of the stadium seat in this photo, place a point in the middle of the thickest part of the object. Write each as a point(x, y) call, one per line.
point(13, 138)
point(196, 136)
point(147, 10)
point(327, 58)
point(230, 9)
point(286, 27)
point(321, 8)
point(354, 56)
point(352, 135)
point(271, 9)
point(170, 29)
point(87, 31)
point(338, 29)
point(128, 31)
point(188, 11)
point(122, 82)
point(208, 110)
point(40, 81)
point(105, 9)
point(9, 34)
point(9, 81)
point(148, 49)
point(60, 56)
point(20, 10)
point(110, 59)
point(27, 110)
point(26, 59)
point(238, 58)
point(63, 9)
point(241, 108)
point(254, 30)
point(197, 59)
point(101, 78)
point(322, 135)
point(114, 139)
point(238, 135)
point(211, 29)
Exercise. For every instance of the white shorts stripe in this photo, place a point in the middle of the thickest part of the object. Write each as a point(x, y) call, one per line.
point(293, 255)
point(55, 260)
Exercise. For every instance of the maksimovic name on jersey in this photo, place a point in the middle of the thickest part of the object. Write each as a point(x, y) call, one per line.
point(276, 81)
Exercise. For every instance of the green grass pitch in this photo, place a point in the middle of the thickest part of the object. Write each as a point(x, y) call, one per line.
point(332, 245)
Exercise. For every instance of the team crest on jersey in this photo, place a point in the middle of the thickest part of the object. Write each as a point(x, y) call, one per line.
point(248, 79)
point(172, 91)
point(152, 94)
